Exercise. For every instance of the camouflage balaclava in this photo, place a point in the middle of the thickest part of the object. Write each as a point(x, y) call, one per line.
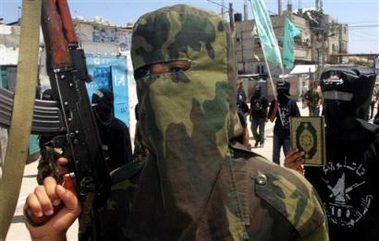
point(347, 94)
point(185, 120)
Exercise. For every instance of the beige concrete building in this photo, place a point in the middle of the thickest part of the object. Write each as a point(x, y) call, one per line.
point(322, 41)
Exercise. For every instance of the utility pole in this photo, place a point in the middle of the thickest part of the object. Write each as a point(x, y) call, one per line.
point(245, 11)
point(222, 9)
point(231, 17)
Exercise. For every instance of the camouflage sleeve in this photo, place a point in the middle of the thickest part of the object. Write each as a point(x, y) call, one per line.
point(47, 162)
point(296, 199)
point(319, 234)
point(322, 233)
point(280, 202)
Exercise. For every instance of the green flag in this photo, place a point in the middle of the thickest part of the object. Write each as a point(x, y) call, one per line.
point(290, 32)
point(266, 33)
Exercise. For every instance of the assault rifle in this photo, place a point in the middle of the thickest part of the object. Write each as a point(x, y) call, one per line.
point(66, 67)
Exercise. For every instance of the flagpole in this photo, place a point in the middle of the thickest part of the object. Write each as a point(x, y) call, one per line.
point(270, 77)
point(274, 92)
point(269, 36)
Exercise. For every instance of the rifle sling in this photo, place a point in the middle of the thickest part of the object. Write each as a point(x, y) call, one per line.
point(21, 121)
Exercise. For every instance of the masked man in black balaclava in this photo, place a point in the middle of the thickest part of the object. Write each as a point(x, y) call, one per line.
point(114, 133)
point(281, 110)
point(348, 181)
point(258, 115)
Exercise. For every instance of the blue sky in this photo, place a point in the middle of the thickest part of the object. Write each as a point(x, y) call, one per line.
point(361, 15)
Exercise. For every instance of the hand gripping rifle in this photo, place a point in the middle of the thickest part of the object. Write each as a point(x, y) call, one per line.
point(66, 67)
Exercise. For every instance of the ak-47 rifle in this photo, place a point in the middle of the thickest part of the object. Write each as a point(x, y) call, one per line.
point(66, 67)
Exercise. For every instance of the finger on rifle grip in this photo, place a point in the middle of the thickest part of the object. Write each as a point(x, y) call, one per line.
point(67, 181)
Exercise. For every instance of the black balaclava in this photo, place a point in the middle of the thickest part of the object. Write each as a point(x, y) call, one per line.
point(258, 91)
point(347, 94)
point(102, 106)
point(283, 90)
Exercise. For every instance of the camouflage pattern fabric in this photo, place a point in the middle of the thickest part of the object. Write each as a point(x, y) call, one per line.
point(277, 204)
point(113, 217)
point(184, 118)
point(194, 186)
point(47, 165)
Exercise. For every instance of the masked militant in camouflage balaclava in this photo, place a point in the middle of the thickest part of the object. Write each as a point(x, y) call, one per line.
point(184, 115)
point(188, 190)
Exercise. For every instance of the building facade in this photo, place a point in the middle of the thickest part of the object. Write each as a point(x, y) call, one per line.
point(320, 42)
point(321, 38)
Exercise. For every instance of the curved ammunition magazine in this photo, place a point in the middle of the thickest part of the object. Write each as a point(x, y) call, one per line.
point(47, 117)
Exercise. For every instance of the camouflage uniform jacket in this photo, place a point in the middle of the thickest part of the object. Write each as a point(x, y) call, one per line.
point(290, 214)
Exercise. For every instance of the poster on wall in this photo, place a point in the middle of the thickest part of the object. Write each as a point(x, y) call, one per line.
point(104, 34)
point(110, 71)
point(119, 36)
point(123, 39)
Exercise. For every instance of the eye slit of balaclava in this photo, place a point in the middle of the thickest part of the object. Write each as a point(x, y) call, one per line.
point(163, 68)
